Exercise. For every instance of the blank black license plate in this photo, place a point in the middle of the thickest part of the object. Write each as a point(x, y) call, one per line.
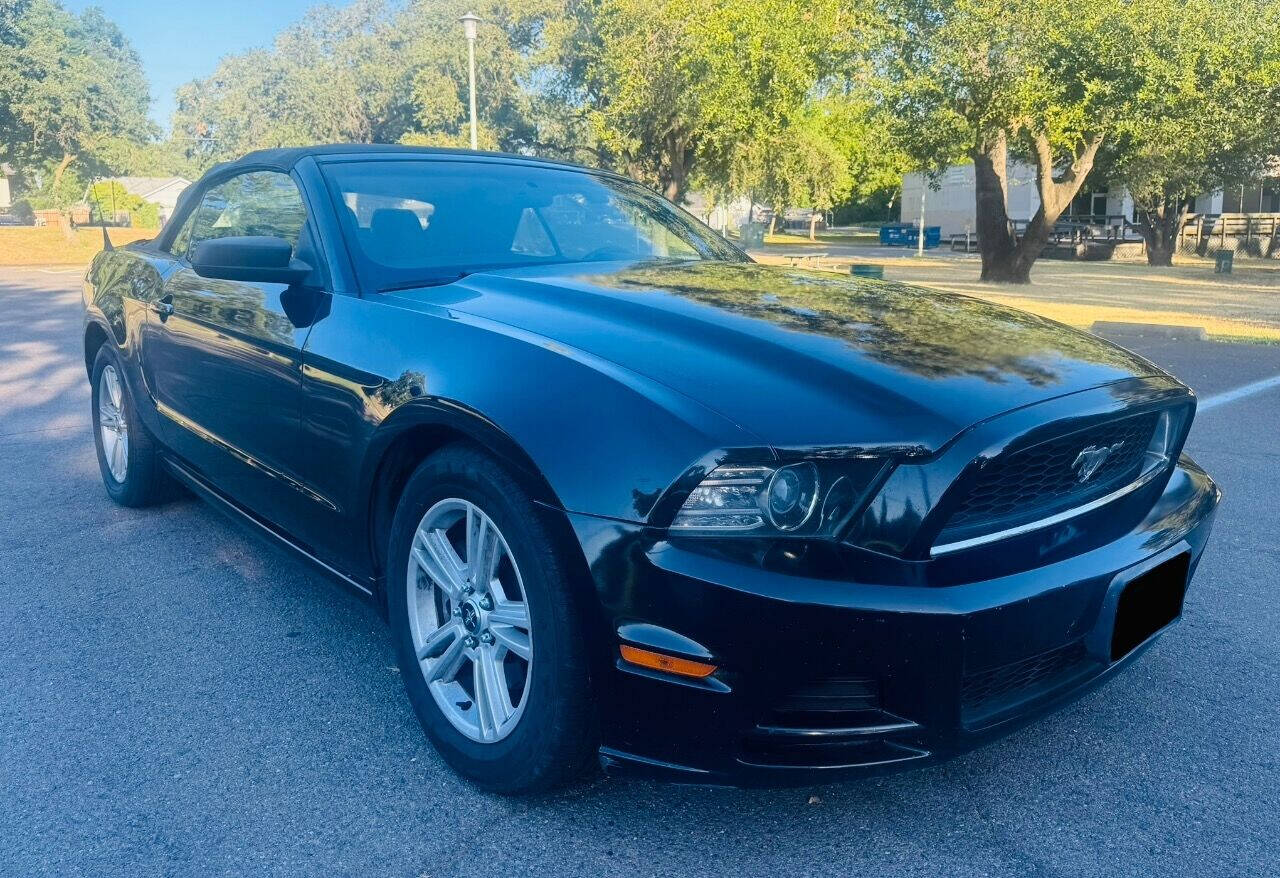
point(1148, 603)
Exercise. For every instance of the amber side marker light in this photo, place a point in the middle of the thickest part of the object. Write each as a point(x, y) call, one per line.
point(670, 664)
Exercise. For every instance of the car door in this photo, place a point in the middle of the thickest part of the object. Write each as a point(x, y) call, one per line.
point(223, 358)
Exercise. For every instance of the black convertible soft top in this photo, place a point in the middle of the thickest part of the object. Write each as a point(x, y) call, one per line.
point(284, 158)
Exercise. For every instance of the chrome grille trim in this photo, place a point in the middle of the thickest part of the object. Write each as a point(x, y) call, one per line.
point(1148, 473)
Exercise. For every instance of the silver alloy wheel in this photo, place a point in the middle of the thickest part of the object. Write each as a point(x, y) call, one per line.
point(469, 620)
point(112, 424)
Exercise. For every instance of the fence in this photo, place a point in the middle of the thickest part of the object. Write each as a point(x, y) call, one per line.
point(1249, 234)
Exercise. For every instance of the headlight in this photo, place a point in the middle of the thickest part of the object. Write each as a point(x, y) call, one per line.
point(802, 499)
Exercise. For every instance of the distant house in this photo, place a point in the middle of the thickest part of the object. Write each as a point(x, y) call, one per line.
point(6, 195)
point(718, 214)
point(163, 192)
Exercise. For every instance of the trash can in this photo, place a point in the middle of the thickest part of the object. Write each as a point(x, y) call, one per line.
point(1222, 260)
point(859, 270)
point(751, 236)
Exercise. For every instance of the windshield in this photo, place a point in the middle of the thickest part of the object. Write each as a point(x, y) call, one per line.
point(415, 222)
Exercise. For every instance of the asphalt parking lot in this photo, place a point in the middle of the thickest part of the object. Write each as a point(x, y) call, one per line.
point(177, 698)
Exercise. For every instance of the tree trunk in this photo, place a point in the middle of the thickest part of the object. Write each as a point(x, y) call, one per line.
point(67, 159)
point(996, 242)
point(1014, 266)
point(1161, 224)
point(673, 175)
point(1018, 268)
point(813, 226)
point(773, 221)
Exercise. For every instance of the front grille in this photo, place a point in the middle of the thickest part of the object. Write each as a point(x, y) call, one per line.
point(833, 696)
point(988, 693)
point(1041, 480)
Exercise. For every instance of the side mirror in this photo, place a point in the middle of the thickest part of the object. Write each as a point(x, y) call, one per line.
point(257, 258)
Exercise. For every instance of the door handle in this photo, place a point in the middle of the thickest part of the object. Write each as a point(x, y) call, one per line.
point(164, 307)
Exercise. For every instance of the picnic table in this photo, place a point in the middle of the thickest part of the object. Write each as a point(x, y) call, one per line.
point(809, 260)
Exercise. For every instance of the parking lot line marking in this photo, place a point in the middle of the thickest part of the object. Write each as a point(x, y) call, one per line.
point(1239, 393)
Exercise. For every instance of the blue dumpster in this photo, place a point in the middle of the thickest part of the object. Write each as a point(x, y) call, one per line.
point(893, 234)
point(908, 235)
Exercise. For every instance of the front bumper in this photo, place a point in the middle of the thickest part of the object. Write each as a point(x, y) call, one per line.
point(820, 676)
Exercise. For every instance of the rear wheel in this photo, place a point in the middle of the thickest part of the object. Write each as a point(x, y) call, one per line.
point(486, 630)
point(127, 454)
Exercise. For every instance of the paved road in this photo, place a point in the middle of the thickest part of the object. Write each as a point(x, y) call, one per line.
point(178, 699)
point(1249, 296)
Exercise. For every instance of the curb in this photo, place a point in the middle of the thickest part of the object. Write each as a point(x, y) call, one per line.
point(1194, 333)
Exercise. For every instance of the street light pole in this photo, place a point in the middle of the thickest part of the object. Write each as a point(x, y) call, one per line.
point(469, 22)
point(924, 190)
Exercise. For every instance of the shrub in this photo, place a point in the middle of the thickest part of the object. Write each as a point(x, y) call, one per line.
point(109, 197)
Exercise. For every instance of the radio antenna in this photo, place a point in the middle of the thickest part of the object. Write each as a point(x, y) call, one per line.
point(102, 218)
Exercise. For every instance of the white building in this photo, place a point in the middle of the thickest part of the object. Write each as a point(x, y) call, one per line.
point(952, 205)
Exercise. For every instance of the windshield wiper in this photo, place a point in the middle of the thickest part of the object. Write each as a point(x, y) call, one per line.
point(437, 281)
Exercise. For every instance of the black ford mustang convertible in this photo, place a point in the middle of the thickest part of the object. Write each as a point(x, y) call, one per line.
point(624, 494)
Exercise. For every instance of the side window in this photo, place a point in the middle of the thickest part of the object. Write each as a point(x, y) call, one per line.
point(254, 203)
point(182, 240)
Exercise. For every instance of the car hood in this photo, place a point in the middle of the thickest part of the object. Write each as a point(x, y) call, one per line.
point(803, 359)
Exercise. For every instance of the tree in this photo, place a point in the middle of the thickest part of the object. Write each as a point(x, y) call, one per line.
point(630, 63)
point(1211, 111)
point(373, 73)
point(1051, 80)
point(319, 82)
point(835, 150)
point(515, 43)
point(69, 86)
point(109, 199)
point(675, 88)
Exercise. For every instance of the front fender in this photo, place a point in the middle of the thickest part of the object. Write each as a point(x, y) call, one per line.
point(118, 289)
point(450, 418)
point(602, 440)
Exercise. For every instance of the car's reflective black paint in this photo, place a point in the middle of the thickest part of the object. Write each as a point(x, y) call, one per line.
point(610, 389)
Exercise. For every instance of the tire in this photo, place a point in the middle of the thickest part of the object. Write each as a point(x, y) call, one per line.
point(131, 472)
point(550, 739)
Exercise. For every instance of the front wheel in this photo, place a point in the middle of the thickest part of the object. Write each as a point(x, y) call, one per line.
point(486, 631)
point(127, 454)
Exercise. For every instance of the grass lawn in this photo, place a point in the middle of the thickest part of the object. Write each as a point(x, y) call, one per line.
point(842, 237)
point(1084, 316)
point(27, 245)
point(823, 238)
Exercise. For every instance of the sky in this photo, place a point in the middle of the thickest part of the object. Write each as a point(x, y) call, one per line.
point(182, 41)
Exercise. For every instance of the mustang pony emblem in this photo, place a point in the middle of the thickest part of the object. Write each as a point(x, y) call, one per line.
point(1088, 460)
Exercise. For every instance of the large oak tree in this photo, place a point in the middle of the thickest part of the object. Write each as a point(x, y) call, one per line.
point(678, 88)
point(1052, 81)
point(1210, 113)
point(71, 90)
